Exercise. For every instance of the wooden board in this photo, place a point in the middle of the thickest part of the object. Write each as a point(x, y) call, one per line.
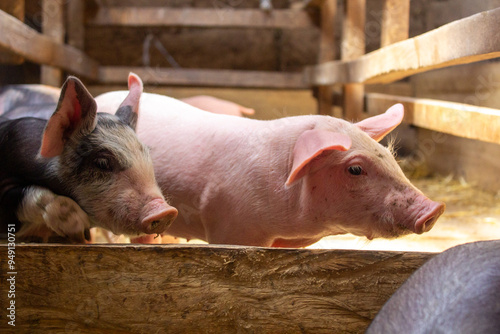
point(16, 9)
point(353, 47)
point(28, 43)
point(453, 118)
point(52, 27)
point(204, 77)
point(193, 289)
point(201, 17)
point(471, 39)
point(75, 27)
point(395, 22)
point(326, 52)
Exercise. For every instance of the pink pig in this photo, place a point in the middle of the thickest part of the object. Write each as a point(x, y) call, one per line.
point(285, 183)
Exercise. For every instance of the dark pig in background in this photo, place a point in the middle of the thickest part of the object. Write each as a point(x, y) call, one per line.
point(286, 182)
point(80, 169)
point(457, 291)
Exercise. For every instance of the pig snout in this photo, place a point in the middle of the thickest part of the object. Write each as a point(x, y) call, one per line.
point(428, 217)
point(157, 216)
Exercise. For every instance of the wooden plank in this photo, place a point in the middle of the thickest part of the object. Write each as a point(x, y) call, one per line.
point(201, 17)
point(353, 47)
point(468, 40)
point(193, 289)
point(53, 27)
point(204, 77)
point(74, 23)
point(40, 49)
point(327, 43)
point(456, 119)
point(16, 9)
point(395, 22)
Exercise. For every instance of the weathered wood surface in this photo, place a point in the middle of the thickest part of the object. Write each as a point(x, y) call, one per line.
point(353, 47)
point(75, 23)
point(471, 39)
point(204, 77)
point(16, 9)
point(201, 17)
point(52, 27)
point(28, 43)
point(200, 289)
point(395, 22)
point(458, 119)
point(326, 53)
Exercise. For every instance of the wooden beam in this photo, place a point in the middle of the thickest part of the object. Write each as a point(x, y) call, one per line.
point(27, 42)
point(395, 22)
point(353, 47)
point(16, 9)
point(468, 40)
point(52, 27)
point(192, 289)
point(327, 43)
point(204, 77)
point(458, 119)
point(75, 23)
point(201, 17)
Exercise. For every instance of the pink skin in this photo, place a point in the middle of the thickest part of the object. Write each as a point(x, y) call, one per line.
point(284, 183)
point(218, 106)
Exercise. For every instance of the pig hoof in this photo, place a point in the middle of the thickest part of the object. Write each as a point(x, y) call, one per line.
point(66, 218)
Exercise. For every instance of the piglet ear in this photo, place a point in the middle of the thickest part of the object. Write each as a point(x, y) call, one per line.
point(309, 145)
point(379, 126)
point(128, 111)
point(75, 114)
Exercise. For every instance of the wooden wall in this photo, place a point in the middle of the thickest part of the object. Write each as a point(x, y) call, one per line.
point(199, 289)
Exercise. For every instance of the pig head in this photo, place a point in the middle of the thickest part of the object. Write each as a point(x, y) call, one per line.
point(352, 184)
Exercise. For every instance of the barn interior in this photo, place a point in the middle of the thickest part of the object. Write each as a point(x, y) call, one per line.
point(349, 59)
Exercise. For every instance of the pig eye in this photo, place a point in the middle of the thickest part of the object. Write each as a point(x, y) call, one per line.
point(355, 170)
point(103, 164)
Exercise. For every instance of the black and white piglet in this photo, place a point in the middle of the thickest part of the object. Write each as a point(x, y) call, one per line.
point(79, 159)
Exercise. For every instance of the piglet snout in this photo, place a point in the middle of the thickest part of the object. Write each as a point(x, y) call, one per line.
point(157, 216)
point(428, 219)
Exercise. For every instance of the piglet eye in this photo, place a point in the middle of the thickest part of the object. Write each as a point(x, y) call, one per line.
point(355, 170)
point(103, 164)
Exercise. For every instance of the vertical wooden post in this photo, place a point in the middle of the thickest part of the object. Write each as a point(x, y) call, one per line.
point(395, 22)
point(16, 9)
point(74, 23)
point(52, 26)
point(352, 47)
point(326, 52)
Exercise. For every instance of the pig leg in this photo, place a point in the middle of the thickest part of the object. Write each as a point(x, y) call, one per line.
point(41, 207)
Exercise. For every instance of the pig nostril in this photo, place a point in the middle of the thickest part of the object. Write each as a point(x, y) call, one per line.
point(428, 224)
point(154, 224)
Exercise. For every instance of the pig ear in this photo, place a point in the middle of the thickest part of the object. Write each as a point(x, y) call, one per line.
point(128, 111)
point(379, 126)
point(75, 113)
point(310, 144)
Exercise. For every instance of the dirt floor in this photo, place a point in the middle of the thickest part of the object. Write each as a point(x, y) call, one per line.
point(471, 215)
